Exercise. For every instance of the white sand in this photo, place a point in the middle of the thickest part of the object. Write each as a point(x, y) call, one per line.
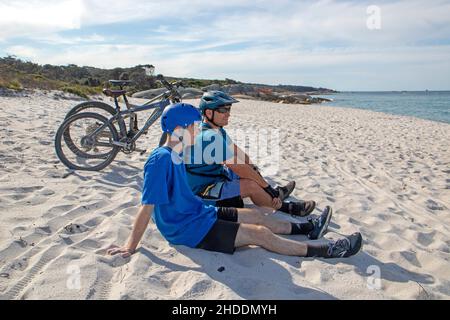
point(386, 176)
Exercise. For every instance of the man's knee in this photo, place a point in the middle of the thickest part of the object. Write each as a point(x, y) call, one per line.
point(254, 231)
point(261, 234)
point(250, 234)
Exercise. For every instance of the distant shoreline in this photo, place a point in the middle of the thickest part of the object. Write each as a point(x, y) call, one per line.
point(420, 91)
point(429, 105)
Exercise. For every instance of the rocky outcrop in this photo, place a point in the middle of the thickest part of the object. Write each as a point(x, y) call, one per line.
point(265, 93)
point(186, 93)
point(245, 91)
point(191, 93)
point(148, 94)
point(5, 92)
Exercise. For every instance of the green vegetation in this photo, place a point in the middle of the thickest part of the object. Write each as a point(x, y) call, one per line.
point(14, 85)
point(16, 74)
point(82, 91)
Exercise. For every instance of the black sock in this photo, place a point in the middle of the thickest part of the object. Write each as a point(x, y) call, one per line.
point(302, 228)
point(284, 207)
point(317, 250)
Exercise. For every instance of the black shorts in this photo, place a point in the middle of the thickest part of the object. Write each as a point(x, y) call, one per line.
point(235, 202)
point(222, 236)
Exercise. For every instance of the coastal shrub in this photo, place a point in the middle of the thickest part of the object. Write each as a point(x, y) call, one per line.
point(75, 91)
point(14, 85)
point(81, 91)
point(39, 77)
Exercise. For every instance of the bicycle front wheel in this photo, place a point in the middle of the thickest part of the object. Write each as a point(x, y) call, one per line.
point(87, 149)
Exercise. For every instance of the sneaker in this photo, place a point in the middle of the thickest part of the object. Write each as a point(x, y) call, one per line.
point(320, 224)
point(301, 208)
point(345, 247)
point(286, 191)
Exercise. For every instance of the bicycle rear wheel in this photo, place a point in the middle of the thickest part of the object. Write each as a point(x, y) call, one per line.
point(89, 106)
point(85, 151)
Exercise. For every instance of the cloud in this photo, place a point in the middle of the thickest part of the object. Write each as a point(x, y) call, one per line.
point(56, 39)
point(307, 22)
point(342, 69)
point(25, 52)
point(101, 55)
point(26, 18)
point(309, 42)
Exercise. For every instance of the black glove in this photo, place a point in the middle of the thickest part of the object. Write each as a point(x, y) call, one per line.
point(272, 192)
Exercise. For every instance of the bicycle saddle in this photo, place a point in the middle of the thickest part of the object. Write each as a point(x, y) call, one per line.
point(114, 93)
point(120, 83)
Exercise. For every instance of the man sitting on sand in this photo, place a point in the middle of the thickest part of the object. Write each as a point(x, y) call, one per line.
point(229, 173)
point(183, 219)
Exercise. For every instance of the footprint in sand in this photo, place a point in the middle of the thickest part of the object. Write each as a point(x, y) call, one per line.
point(411, 257)
point(16, 197)
point(433, 205)
point(46, 192)
point(19, 265)
point(45, 230)
point(58, 210)
point(74, 229)
point(426, 239)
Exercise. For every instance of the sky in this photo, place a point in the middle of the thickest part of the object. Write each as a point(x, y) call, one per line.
point(343, 45)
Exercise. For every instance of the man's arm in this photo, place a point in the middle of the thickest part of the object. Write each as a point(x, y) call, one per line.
point(243, 167)
point(240, 156)
point(139, 227)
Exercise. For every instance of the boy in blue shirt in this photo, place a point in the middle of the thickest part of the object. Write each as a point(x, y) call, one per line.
point(183, 219)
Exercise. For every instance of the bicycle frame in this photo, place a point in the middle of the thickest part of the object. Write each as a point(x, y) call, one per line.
point(163, 96)
point(121, 115)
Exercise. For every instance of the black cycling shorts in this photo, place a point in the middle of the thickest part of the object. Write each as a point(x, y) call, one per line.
point(222, 236)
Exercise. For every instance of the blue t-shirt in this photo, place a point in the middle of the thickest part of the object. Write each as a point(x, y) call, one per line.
point(204, 160)
point(180, 216)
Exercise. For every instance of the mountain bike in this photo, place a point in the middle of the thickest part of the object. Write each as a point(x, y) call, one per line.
point(91, 140)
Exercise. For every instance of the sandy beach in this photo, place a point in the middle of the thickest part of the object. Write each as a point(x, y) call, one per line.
point(386, 176)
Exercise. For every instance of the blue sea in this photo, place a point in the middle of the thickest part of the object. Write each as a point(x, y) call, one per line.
point(430, 105)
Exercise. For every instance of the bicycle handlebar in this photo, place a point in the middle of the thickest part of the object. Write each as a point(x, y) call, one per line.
point(167, 84)
point(171, 87)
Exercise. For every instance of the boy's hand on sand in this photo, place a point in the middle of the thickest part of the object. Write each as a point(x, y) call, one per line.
point(125, 252)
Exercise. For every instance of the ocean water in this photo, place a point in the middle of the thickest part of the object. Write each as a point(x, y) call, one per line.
point(430, 105)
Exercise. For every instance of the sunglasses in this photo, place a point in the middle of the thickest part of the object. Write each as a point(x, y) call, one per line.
point(224, 109)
